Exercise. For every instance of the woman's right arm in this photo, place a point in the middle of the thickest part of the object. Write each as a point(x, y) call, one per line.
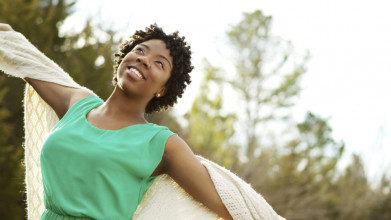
point(59, 97)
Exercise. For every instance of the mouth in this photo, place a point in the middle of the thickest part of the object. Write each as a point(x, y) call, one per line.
point(136, 71)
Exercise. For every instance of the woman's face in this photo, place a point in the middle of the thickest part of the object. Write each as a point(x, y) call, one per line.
point(145, 70)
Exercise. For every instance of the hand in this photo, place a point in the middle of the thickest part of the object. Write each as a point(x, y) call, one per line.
point(5, 27)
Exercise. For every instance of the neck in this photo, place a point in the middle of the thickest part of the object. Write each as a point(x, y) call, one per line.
point(124, 107)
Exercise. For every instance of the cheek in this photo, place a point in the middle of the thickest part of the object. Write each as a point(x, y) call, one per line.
point(164, 79)
point(128, 57)
point(121, 67)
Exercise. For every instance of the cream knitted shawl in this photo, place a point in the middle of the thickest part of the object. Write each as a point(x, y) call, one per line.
point(165, 199)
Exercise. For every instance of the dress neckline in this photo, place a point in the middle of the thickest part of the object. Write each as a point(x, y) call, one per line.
point(109, 130)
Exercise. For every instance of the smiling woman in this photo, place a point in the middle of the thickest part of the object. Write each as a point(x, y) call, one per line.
point(101, 158)
point(177, 60)
point(145, 68)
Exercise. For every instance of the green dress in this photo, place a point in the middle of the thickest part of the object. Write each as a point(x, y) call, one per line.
point(93, 173)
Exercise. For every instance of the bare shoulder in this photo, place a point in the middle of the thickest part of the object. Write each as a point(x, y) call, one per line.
point(175, 145)
point(173, 140)
point(176, 152)
point(178, 155)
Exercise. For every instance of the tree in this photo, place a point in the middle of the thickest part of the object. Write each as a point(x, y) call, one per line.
point(382, 205)
point(89, 63)
point(354, 198)
point(88, 58)
point(295, 168)
point(301, 185)
point(267, 84)
point(209, 130)
point(11, 181)
point(264, 80)
point(38, 20)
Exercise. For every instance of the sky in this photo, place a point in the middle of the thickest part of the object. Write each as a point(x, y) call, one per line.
point(348, 75)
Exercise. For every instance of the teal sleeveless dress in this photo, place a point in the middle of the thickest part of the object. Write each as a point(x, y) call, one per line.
point(91, 173)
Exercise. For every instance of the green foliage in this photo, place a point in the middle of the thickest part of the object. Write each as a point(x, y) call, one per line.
point(209, 130)
point(11, 181)
point(89, 59)
point(353, 196)
point(382, 206)
point(267, 84)
point(89, 63)
point(306, 170)
point(38, 21)
point(295, 169)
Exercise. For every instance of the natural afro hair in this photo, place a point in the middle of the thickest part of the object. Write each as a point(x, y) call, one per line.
point(181, 54)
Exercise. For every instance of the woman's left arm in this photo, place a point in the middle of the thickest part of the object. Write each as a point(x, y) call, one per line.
point(180, 163)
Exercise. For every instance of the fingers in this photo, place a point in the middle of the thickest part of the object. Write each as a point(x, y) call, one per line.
point(5, 27)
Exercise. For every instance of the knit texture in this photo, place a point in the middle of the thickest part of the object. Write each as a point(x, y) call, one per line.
point(165, 199)
point(19, 58)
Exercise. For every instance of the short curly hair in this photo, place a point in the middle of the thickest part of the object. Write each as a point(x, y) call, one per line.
point(180, 74)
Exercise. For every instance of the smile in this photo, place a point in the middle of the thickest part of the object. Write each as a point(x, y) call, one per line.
point(136, 72)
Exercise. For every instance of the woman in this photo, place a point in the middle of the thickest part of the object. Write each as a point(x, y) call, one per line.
point(99, 149)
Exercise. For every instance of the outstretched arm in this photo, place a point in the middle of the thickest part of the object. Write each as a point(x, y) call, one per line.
point(59, 97)
point(180, 163)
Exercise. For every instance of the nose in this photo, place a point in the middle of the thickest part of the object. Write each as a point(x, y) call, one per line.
point(144, 61)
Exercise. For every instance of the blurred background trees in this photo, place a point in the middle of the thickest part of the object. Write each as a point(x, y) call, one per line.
point(86, 56)
point(26, 17)
point(239, 119)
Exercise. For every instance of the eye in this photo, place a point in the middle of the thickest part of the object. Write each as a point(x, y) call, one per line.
point(139, 50)
point(160, 63)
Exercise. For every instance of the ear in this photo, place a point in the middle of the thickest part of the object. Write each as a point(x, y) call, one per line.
point(161, 92)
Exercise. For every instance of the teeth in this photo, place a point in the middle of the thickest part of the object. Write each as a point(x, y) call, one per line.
point(136, 72)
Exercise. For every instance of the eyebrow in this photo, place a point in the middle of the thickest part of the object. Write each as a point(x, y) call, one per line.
point(144, 45)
